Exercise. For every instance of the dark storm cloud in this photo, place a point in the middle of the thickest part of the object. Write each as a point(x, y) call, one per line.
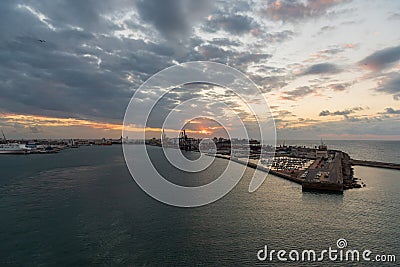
point(234, 24)
point(81, 69)
point(51, 77)
point(322, 68)
point(173, 18)
point(390, 85)
point(381, 59)
point(392, 111)
point(292, 10)
point(345, 113)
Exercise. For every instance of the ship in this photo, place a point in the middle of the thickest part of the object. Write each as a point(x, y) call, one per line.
point(13, 148)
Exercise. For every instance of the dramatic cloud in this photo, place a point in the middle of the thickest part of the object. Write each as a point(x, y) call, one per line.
point(292, 10)
point(74, 72)
point(381, 59)
point(322, 68)
point(95, 54)
point(173, 18)
point(345, 113)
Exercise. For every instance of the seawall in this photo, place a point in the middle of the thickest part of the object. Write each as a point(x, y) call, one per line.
point(376, 164)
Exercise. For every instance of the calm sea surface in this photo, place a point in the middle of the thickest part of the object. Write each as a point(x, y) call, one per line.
point(81, 208)
point(386, 151)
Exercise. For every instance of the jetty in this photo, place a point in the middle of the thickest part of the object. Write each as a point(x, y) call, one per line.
point(315, 169)
point(375, 164)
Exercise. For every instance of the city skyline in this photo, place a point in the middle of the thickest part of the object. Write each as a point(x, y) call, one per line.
point(328, 68)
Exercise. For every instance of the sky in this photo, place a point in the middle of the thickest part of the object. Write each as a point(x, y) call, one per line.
point(327, 68)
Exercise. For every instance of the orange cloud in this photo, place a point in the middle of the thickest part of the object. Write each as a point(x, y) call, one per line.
point(43, 121)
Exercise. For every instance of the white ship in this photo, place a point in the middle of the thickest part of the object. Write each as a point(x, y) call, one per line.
point(13, 148)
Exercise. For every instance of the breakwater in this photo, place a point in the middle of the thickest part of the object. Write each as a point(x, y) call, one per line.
point(375, 164)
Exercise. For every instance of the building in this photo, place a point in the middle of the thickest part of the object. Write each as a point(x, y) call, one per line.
point(321, 151)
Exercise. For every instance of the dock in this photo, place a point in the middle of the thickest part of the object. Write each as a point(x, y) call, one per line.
point(325, 175)
point(319, 176)
point(328, 174)
point(261, 168)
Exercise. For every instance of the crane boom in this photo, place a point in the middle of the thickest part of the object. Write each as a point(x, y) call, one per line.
point(5, 139)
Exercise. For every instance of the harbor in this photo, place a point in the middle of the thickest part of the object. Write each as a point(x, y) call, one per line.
point(48, 146)
point(314, 168)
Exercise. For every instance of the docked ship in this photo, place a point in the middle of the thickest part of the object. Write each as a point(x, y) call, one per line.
point(7, 147)
point(13, 148)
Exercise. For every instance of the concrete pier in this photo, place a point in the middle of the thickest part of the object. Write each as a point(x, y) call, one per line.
point(322, 175)
point(375, 164)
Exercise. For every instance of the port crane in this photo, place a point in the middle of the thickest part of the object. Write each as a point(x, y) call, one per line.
point(4, 137)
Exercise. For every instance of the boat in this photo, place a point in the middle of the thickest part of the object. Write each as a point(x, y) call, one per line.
point(13, 148)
